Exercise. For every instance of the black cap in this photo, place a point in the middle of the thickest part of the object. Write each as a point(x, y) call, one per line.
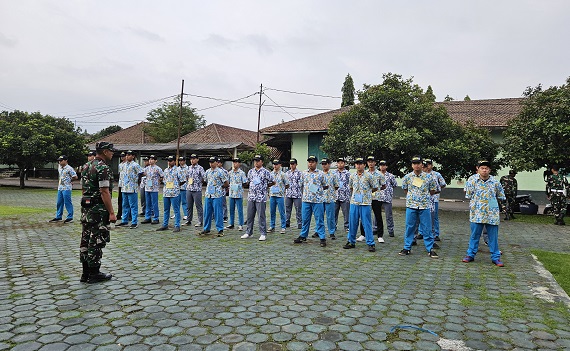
point(193, 156)
point(325, 160)
point(340, 159)
point(512, 171)
point(312, 158)
point(171, 158)
point(484, 163)
point(145, 158)
point(123, 154)
point(213, 159)
point(382, 162)
point(258, 158)
point(91, 153)
point(370, 158)
point(276, 162)
point(152, 157)
point(359, 160)
point(237, 159)
point(293, 160)
point(62, 157)
point(555, 167)
point(416, 159)
point(181, 158)
point(428, 161)
point(103, 145)
point(130, 152)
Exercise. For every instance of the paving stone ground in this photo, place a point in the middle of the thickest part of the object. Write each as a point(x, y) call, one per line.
point(179, 291)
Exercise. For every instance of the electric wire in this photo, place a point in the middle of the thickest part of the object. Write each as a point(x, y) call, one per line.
point(300, 93)
point(107, 111)
point(278, 105)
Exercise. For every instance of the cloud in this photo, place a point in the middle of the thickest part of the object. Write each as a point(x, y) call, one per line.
point(219, 41)
point(5, 41)
point(145, 34)
point(260, 42)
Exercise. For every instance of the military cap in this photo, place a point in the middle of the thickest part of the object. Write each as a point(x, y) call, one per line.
point(484, 163)
point(359, 160)
point(91, 153)
point(512, 172)
point(555, 167)
point(428, 161)
point(293, 160)
point(416, 159)
point(312, 158)
point(171, 158)
point(258, 158)
point(153, 157)
point(371, 158)
point(62, 157)
point(325, 160)
point(237, 159)
point(213, 159)
point(130, 152)
point(276, 162)
point(193, 156)
point(382, 162)
point(103, 145)
point(340, 159)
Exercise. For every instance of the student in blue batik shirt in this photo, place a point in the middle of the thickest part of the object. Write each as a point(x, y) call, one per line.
point(314, 184)
point(196, 177)
point(342, 194)
point(172, 179)
point(216, 182)
point(483, 192)
point(276, 194)
point(237, 179)
point(294, 193)
point(259, 179)
point(183, 169)
point(418, 186)
point(386, 196)
point(66, 176)
point(329, 198)
point(362, 184)
point(130, 172)
point(435, 197)
point(152, 183)
point(376, 204)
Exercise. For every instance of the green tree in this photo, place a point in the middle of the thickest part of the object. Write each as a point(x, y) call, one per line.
point(163, 121)
point(260, 149)
point(396, 120)
point(540, 135)
point(448, 98)
point(104, 132)
point(347, 91)
point(30, 140)
point(429, 94)
point(466, 98)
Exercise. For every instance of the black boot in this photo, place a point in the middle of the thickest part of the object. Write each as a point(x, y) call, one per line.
point(561, 221)
point(95, 276)
point(85, 274)
point(512, 216)
point(507, 217)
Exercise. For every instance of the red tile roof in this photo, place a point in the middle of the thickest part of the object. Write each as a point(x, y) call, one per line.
point(315, 123)
point(218, 133)
point(131, 135)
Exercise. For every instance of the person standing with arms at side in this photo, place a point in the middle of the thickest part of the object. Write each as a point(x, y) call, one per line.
point(293, 194)
point(440, 182)
point(386, 196)
point(196, 177)
point(172, 179)
point(314, 185)
point(152, 183)
point(226, 191)
point(556, 189)
point(142, 182)
point(418, 186)
point(216, 184)
point(120, 193)
point(329, 197)
point(276, 193)
point(259, 180)
point(342, 194)
point(131, 171)
point(510, 186)
point(237, 179)
point(376, 204)
point(96, 213)
point(183, 169)
point(64, 188)
point(483, 192)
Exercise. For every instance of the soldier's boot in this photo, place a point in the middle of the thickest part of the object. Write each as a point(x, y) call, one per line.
point(507, 217)
point(95, 276)
point(562, 221)
point(85, 274)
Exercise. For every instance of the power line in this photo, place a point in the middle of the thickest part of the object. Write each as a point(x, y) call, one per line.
point(227, 102)
point(6, 106)
point(279, 106)
point(300, 93)
point(107, 111)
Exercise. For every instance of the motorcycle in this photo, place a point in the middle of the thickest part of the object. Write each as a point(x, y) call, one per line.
point(524, 205)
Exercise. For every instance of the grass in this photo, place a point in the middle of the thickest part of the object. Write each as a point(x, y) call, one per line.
point(17, 210)
point(558, 264)
point(534, 219)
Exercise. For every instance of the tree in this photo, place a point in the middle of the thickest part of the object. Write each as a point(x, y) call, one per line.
point(104, 132)
point(466, 98)
point(31, 140)
point(260, 149)
point(448, 98)
point(163, 121)
point(429, 94)
point(396, 120)
point(540, 135)
point(347, 91)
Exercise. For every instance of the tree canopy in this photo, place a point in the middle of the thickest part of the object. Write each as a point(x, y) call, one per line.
point(540, 135)
point(30, 140)
point(347, 91)
point(104, 132)
point(396, 120)
point(260, 149)
point(163, 121)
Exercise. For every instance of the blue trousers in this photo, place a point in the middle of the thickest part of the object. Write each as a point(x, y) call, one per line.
point(213, 207)
point(424, 216)
point(184, 202)
point(330, 209)
point(64, 198)
point(274, 203)
point(435, 220)
point(492, 232)
point(357, 214)
point(237, 202)
point(175, 203)
point(130, 208)
point(308, 209)
point(151, 199)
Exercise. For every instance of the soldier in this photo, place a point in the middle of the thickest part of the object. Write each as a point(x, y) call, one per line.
point(483, 191)
point(153, 175)
point(329, 197)
point(142, 182)
point(276, 194)
point(64, 188)
point(216, 183)
point(237, 178)
point(362, 185)
point(172, 179)
point(196, 176)
point(556, 189)
point(342, 194)
point(314, 184)
point(510, 186)
point(96, 213)
point(259, 179)
point(294, 193)
point(131, 171)
point(386, 196)
point(120, 193)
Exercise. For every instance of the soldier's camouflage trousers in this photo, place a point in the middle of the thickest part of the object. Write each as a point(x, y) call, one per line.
point(558, 201)
point(507, 206)
point(94, 235)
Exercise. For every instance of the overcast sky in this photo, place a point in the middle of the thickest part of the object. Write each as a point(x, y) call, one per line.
point(76, 58)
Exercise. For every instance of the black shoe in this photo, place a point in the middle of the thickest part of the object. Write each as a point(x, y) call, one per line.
point(146, 221)
point(230, 227)
point(562, 222)
point(122, 224)
point(95, 276)
point(176, 230)
point(187, 223)
point(512, 217)
point(414, 243)
point(433, 254)
point(204, 232)
point(315, 235)
point(486, 243)
point(299, 240)
point(372, 248)
point(506, 218)
point(391, 235)
point(142, 214)
point(436, 238)
point(162, 229)
point(299, 227)
point(333, 237)
point(134, 226)
point(221, 233)
point(419, 237)
point(68, 220)
point(404, 252)
point(288, 225)
point(435, 246)
point(323, 242)
point(271, 230)
point(85, 274)
point(349, 245)
point(154, 222)
point(55, 220)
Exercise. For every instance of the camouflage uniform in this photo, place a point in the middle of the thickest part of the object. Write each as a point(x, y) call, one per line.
point(556, 184)
point(94, 216)
point(510, 187)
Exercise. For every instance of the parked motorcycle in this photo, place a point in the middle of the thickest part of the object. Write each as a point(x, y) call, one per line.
point(524, 205)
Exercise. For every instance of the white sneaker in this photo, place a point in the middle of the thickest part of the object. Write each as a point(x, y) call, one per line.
point(361, 238)
point(380, 240)
point(240, 228)
point(172, 217)
point(262, 238)
point(245, 236)
point(282, 230)
point(198, 225)
point(185, 218)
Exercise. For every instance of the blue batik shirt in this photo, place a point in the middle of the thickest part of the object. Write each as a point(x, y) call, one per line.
point(342, 194)
point(387, 194)
point(379, 177)
point(259, 180)
point(295, 190)
point(313, 183)
point(215, 179)
point(130, 172)
point(331, 180)
point(440, 184)
point(66, 174)
point(278, 190)
point(183, 170)
point(237, 179)
point(362, 186)
point(418, 187)
point(196, 176)
point(152, 181)
point(172, 179)
point(121, 173)
point(483, 198)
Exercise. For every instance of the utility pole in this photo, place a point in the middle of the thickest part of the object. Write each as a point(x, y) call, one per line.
point(179, 123)
point(259, 112)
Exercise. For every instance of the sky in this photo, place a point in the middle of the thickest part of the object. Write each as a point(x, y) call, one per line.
point(107, 62)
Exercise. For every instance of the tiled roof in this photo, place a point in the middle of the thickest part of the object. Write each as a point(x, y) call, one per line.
point(315, 123)
point(131, 135)
point(217, 133)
